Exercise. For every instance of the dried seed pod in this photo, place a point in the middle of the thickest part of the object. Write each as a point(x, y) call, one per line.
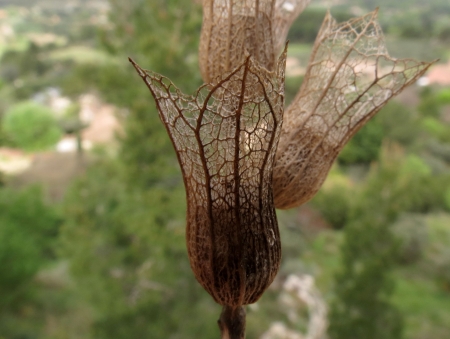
point(350, 77)
point(226, 138)
point(235, 29)
point(286, 11)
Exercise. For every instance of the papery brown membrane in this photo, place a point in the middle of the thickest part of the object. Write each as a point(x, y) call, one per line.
point(225, 137)
point(350, 77)
point(286, 11)
point(235, 29)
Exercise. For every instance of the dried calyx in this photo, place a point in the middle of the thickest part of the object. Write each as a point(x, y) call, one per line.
point(350, 77)
point(235, 29)
point(226, 138)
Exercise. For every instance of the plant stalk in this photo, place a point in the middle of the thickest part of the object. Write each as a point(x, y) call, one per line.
point(232, 322)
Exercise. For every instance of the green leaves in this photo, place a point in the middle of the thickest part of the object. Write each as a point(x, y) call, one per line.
point(127, 255)
point(31, 126)
point(28, 228)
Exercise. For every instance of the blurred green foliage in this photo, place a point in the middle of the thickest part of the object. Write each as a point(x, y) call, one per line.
point(307, 25)
point(370, 251)
point(31, 126)
point(411, 18)
point(380, 234)
point(31, 71)
point(423, 192)
point(411, 229)
point(437, 256)
point(400, 124)
point(429, 105)
point(28, 229)
point(334, 204)
point(443, 96)
point(127, 254)
point(292, 86)
point(364, 147)
point(407, 126)
point(395, 122)
point(405, 19)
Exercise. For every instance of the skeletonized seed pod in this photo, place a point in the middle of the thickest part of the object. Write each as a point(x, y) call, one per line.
point(235, 29)
point(226, 137)
point(350, 77)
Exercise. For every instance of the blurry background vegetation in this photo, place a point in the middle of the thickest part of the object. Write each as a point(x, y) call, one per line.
point(92, 245)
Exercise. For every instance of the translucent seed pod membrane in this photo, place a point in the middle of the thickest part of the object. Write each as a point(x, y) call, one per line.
point(234, 29)
point(350, 77)
point(286, 11)
point(225, 137)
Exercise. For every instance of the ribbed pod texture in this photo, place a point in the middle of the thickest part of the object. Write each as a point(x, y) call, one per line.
point(226, 137)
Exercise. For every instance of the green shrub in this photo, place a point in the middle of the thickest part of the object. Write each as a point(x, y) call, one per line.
point(334, 204)
point(437, 251)
point(399, 122)
point(31, 126)
point(28, 228)
point(365, 146)
point(362, 306)
point(436, 129)
point(429, 105)
point(422, 190)
point(126, 253)
point(447, 198)
point(411, 229)
point(306, 27)
point(443, 97)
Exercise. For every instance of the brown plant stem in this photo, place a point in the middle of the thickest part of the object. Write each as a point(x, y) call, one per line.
point(232, 322)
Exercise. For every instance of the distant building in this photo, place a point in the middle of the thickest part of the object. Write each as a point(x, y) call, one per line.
point(438, 75)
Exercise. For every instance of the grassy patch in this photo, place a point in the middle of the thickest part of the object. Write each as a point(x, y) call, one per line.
point(20, 44)
point(81, 54)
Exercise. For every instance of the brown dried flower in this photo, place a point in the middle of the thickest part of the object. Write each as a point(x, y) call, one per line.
point(350, 77)
point(226, 137)
point(235, 29)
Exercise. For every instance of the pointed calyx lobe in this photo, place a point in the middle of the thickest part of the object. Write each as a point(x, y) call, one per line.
point(226, 137)
point(350, 77)
point(235, 29)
